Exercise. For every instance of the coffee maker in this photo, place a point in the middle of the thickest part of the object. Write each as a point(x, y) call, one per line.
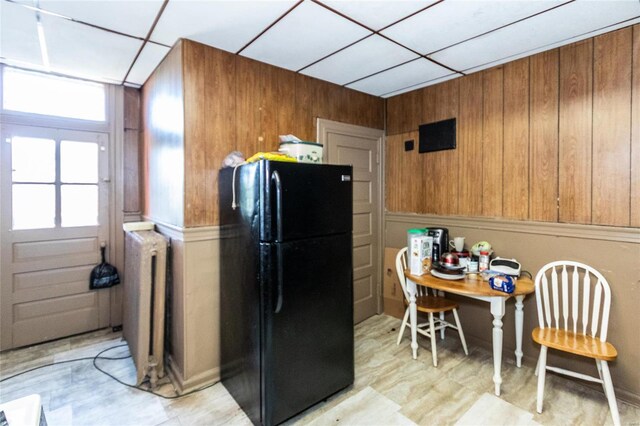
point(440, 242)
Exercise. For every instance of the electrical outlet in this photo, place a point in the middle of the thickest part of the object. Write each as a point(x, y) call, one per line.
point(408, 145)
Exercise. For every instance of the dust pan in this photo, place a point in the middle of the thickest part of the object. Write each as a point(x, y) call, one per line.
point(104, 275)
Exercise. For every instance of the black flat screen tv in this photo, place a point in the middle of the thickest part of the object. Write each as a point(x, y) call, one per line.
point(437, 136)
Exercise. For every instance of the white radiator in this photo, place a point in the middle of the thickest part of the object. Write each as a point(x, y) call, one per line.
point(144, 302)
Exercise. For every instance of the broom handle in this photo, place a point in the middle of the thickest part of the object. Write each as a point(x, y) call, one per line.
point(103, 247)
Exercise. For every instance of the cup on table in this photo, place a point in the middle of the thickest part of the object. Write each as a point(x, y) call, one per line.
point(457, 243)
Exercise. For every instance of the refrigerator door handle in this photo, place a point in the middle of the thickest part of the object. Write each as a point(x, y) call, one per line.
point(275, 177)
point(279, 278)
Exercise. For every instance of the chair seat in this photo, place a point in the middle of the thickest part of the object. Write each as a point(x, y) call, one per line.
point(575, 343)
point(433, 304)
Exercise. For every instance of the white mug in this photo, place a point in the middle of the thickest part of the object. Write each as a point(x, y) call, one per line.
point(457, 243)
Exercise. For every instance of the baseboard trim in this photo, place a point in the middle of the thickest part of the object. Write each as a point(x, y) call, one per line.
point(183, 386)
point(187, 235)
point(594, 232)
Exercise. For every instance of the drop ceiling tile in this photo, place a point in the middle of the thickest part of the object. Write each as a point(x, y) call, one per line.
point(133, 17)
point(227, 25)
point(364, 58)
point(83, 51)
point(562, 23)
point(151, 55)
point(19, 43)
point(421, 85)
point(451, 22)
point(409, 74)
point(308, 33)
point(553, 45)
point(377, 14)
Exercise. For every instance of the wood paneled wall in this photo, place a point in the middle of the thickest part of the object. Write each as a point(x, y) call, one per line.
point(235, 103)
point(131, 150)
point(552, 137)
point(163, 165)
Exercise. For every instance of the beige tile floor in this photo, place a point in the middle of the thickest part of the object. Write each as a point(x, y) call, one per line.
point(390, 388)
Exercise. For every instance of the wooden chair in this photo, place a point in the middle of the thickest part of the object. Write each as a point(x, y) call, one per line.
point(570, 322)
point(428, 304)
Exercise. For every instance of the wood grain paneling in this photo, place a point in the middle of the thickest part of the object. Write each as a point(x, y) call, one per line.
point(612, 128)
point(543, 137)
point(469, 145)
point(445, 168)
point(131, 151)
point(428, 160)
point(220, 110)
point(163, 117)
point(576, 89)
point(635, 131)
point(232, 103)
point(492, 142)
point(515, 196)
point(569, 150)
point(195, 123)
point(404, 189)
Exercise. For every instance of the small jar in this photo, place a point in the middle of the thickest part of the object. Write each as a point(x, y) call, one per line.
point(472, 266)
point(483, 261)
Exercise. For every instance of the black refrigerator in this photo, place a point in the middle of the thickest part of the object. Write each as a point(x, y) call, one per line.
point(286, 288)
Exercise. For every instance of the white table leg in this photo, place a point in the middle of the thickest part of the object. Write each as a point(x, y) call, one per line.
point(497, 310)
point(441, 294)
point(413, 317)
point(519, 321)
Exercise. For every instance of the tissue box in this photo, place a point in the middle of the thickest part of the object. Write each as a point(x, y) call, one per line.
point(304, 152)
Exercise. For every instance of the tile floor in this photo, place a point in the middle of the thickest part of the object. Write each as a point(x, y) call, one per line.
point(390, 388)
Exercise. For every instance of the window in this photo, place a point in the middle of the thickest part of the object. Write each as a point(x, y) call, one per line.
point(54, 183)
point(36, 93)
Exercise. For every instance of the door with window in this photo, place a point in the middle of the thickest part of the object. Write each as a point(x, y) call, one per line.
point(54, 217)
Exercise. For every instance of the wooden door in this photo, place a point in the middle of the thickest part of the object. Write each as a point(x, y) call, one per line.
point(360, 147)
point(54, 216)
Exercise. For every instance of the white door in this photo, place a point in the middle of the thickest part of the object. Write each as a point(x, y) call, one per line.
point(54, 216)
point(360, 147)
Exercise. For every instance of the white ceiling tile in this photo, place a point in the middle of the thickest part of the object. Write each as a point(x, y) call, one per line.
point(421, 85)
point(562, 23)
point(377, 14)
point(83, 51)
point(553, 46)
point(133, 17)
point(227, 25)
point(308, 33)
point(151, 55)
point(18, 35)
point(450, 22)
point(410, 74)
point(364, 58)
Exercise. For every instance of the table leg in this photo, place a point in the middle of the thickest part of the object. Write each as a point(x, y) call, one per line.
point(519, 321)
point(413, 317)
point(497, 310)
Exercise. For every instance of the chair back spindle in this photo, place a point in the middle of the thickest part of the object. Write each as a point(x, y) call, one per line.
point(559, 307)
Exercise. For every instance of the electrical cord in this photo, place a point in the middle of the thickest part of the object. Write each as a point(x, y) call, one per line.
point(94, 359)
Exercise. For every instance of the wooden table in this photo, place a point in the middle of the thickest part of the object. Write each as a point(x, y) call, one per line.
point(476, 289)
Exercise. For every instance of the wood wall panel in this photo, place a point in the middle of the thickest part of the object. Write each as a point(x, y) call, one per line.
point(515, 195)
point(232, 103)
point(492, 142)
point(163, 124)
point(576, 89)
point(543, 149)
point(612, 128)
point(445, 169)
point(555, 140)
point(635, 131)
point(428, 161)
point(131, 151)
point(195, 123)
point(404, 190)
point(220, 110)
point(469, 145)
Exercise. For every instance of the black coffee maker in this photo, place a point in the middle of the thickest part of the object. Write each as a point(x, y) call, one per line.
point(440, 242)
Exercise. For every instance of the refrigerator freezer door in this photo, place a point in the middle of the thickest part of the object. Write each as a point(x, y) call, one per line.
point(305, 200)
point(308, 328)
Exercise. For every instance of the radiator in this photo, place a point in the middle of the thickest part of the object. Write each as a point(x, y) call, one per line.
point(144, 303)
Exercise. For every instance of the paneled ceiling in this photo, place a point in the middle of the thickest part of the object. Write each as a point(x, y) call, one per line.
point(379, 47)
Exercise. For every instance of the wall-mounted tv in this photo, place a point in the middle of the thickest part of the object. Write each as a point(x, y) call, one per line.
point(437, 136)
